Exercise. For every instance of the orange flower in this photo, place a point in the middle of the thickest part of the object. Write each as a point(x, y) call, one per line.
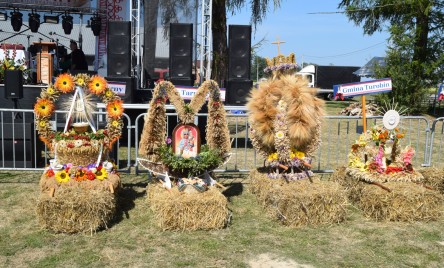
point(43, 107)
point(115, 109)
point(97, 85)
point(65, 83)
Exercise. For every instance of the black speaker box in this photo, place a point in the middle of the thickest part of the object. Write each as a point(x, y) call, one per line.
point(239, 52)
point(181, 51)
point(119, 48)
point(17, 144)
point(130, 87)
point(237, 91)
point(182, 82)
point(13, 84)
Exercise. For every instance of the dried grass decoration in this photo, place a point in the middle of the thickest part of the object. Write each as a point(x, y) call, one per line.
point(285, 119)
point(377, 160)
point(78, 188)
point(156, 154)
point(183, 210)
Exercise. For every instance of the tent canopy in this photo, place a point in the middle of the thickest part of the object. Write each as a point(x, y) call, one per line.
point(368, 70)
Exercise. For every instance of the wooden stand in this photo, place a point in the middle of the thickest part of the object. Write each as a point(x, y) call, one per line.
point(44, 62)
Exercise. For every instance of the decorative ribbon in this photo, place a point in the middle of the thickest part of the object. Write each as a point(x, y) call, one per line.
point(339, 95)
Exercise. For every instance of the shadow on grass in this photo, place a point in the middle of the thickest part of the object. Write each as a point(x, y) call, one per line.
point(235, 189)
point(126, 199)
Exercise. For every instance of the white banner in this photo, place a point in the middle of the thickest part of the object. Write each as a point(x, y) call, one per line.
point(363, 88)
point(187, 93)
point(119, 88)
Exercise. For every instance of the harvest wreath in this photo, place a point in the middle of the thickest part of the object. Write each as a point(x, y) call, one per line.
point(81, 182)
point(77, 144)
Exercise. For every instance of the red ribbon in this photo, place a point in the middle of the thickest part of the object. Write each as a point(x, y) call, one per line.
point(339, 95)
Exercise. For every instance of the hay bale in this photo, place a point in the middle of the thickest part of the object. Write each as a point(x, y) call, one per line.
point(75, 209)
point(434, 177)
point(352, 186)
point(176, 210)
point(407, 201)
point(113, 179)
point(300, 202)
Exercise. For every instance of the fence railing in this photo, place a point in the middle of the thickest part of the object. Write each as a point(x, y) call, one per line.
point(21, 149)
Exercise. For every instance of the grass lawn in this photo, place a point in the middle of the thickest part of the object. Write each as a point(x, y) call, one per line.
point(252, 238)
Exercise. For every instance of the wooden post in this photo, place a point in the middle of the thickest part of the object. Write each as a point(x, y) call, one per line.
point(364, 115)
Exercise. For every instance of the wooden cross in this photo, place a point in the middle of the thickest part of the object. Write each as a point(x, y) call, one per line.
point(278, 43)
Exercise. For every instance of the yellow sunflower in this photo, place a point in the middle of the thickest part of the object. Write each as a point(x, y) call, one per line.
point(101, 174)
point(80, 81)
point(42, 123)
point(115, 109)
point(109, 93)
point(50, 91)
point(97, 85)
point(65, 83)
point(115, 123)
point(43, 107)
point(62, 176)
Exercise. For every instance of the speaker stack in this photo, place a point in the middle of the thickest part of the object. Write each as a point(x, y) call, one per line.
point(119, 57)
point(239, 83)
point(181, 54)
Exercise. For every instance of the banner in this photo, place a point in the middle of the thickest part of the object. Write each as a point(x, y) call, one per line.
point(187, 93)
point(363, 88)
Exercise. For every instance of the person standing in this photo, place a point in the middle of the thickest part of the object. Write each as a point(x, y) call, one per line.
point(78, 59)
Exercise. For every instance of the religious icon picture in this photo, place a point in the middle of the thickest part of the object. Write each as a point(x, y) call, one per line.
point(186, 140)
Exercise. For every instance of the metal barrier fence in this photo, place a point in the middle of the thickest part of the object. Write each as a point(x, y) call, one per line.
point(21, 149)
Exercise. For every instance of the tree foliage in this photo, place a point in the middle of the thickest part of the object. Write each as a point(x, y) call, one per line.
point(414, 56)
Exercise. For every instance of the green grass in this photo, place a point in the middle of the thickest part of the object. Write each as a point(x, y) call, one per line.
point(134, 240)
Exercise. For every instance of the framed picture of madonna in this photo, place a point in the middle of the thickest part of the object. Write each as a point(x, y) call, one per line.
point(186, 140)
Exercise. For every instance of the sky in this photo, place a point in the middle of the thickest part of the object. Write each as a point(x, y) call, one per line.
point(324, 39)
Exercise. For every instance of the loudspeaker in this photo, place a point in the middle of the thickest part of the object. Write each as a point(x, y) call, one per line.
point(117, 84)
point(13, 84)
point(237, 91)
point(119, 48)
point(17, 145)
point(181, 53)
point(239, 51)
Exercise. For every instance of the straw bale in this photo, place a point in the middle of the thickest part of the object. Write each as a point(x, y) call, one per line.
point(176, 210)
point(46, 183)
point(74, 210)
point(300, 203)
point(352, 186)
point(407, 201)
point(434, 177)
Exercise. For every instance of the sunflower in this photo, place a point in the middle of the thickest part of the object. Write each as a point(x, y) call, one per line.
point(43, 107)
point(97, 85)
point(101, 174)
point(50, 91)
point(109, 93)
point(65, 83)
point(115, 123)
point(80, 81)
point(115, 109)
point(62, 176)
point(42, 123)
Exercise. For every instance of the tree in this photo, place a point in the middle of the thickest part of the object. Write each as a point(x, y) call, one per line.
point(258, 64)
point(414, 57)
